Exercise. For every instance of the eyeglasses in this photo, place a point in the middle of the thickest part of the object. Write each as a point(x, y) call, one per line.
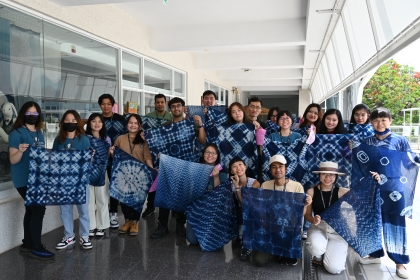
point(255, 107)
point(210, 153)
point(36, 114)
point(274, 116)
point(176, 106)
point(284, 119)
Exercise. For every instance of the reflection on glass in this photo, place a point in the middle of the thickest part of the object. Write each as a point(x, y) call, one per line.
point(149, 102)
point(215, 89)
point(157, 78)
point(132, 97)
point(131, 70)
point(179, 85)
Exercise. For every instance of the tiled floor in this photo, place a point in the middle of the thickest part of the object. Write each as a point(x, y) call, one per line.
point(118, 256)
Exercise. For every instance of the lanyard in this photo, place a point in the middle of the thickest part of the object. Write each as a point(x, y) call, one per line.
point(284, 186)
point(35, 139)
point(322, 196)
point(129, 143)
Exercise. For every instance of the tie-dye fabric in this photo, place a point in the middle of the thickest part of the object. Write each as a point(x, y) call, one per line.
point(214, 118)
point(238, 140)
point(180, 182)
point(198, 110)
point(360, 131)
point(272, 221)
point(302, 131)
point(176, 140)
point(356, 217)
point(398, 172)
point(131, 180)
point(271, 127)
point(99, 162)
point(115, 128)
point(291, 152)
point(151, 123)
point(57, 177)
point(213, 218)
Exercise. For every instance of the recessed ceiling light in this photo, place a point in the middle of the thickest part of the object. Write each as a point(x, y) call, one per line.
point(247, 69)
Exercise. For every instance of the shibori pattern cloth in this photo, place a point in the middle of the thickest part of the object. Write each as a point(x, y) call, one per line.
point(130, 180)
point(271, 128)
point(213, 217)
point(356, 217)
point(198, 110)
point(302, 131)
point(238, 140)
point(114, 129)
point(360, 131)
point(151, 123)
point(57, 177)
point(291, 152)
point(272, 221)
point(398, 172)
point(176, 140)
point(327, 147)
point(214, 118)
point(99, 162)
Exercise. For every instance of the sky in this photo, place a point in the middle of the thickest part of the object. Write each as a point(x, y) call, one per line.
point(410, 55)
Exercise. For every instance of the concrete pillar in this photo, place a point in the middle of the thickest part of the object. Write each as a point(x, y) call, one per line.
point(304, 100)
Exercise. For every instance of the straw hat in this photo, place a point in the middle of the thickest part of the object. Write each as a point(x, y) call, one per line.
point(329, 167)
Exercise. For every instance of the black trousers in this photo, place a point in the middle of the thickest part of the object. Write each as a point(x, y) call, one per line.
point(151, 200)
point(32, 223)
point(113, 203)
point(164, 217)
point(130, 213)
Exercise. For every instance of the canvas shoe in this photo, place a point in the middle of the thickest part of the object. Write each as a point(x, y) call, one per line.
point(100, 232)
point(65, 242)
point(369, 260)
point(160, 231)
point(41, 254)
point(85, 242)
point(91, 233)
point(113, 220)
point(245, 254)
point(402, 273)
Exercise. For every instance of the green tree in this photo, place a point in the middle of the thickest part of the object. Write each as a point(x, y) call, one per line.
point(395, 87)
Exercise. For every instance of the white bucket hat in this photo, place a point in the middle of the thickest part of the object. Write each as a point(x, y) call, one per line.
point(329, 167)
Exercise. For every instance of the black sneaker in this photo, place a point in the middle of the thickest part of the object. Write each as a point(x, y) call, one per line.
point(291, 261)
point(85, 242)
point(41, 254)
point(238, 242)
point(100, 232)
point(180, 229)
point(148, 212)
point(245, 254)
point(160, 231)
point(25, 248)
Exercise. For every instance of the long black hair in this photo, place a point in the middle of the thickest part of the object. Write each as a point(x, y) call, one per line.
point(102, 132)
point(359, 107)
point(137, 139)
point(339, 129)
point(20, 120)
point(214, 146)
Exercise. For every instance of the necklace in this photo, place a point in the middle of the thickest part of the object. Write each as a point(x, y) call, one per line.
point(129, 143)
point(322, 196)
point(288, 137)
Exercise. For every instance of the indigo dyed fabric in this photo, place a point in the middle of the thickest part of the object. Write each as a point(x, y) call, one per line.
point(198, 110)
point(328, 147)
point(214, 118)
point(238, 140)
point(356, 217)
point(115, 128)
point(176, 140)
point(303, 131)
point(131, 180)
point(213, 218)
point(271, 128)
point(398, 172)
point(99, 162)
point(180, 182)
point(291, 151)
point(272, 221)
point(360, 131)
point(150, 123)
point(57, 177)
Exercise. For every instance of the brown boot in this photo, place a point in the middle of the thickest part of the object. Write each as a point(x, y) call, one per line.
point(134, 230)
point(126, 227)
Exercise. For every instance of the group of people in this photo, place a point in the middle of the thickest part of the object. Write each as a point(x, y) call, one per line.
point(325, 245)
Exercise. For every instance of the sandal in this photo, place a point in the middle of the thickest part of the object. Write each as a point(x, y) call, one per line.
point(316, 261)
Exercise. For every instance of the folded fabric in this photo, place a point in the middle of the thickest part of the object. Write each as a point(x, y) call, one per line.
point(356, 217)
point(151, 123)
point(115, 128)
point(180, 182)
point(131, 180)
point(272, 221)
point(176, 139)
point(398, 172)
point(99, 162)
point(213, 217)
point(57, 177)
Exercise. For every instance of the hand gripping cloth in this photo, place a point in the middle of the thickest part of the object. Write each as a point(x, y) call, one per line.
point(99, 162)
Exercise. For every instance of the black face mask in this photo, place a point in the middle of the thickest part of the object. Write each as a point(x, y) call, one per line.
point(69, 127)
point(31, 119)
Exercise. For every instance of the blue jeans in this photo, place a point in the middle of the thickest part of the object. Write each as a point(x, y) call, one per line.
point(84, 221)
point(190, 235)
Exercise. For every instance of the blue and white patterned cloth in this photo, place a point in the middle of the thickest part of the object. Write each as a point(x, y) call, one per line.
point(131, 180)
point(360, 131)
point(356, 217)
point(238, 140)
point(328, 147)
point(57, 177)
point(99, 162)
point(214, 118)
point(180, 182)
point(198, 110)
point(114, 129)
point(272, 221)
point(292, 152)
point(302, 131)
point(151, 123)
point(213, 218)
point(271, 128)
point(398, 172)
point(176, 140)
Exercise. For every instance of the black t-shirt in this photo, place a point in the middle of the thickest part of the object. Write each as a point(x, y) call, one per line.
point(317, 206)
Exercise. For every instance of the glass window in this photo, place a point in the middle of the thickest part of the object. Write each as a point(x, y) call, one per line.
point(132, 101)
point(131, 69)
point(326, 73)
point(215, 89)
point(332, 65)
point(359, 31)
point(157, 78)
point(149, 102)
point(332, 102)
point(179, 84)
point(342, 50)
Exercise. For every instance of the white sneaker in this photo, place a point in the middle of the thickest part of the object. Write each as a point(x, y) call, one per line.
point(100, 232)
point(85, 242)
point(113, 220)
point(304, 234)
point(65, 242)
point(368, 260)
point(402, 273)
point(91, 233)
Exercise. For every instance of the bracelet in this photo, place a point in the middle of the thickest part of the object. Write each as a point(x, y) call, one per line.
point(200, 126)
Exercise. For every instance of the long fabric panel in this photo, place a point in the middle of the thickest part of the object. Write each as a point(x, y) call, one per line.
point(180, 182)
point(356, 217)
point(130, 180)
point(99, 162)
point(57, 177)
point(398, 172)
point(151, 123)
point(176, 140)
point(213, 217)
point(115, 128)
point(272, 221)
